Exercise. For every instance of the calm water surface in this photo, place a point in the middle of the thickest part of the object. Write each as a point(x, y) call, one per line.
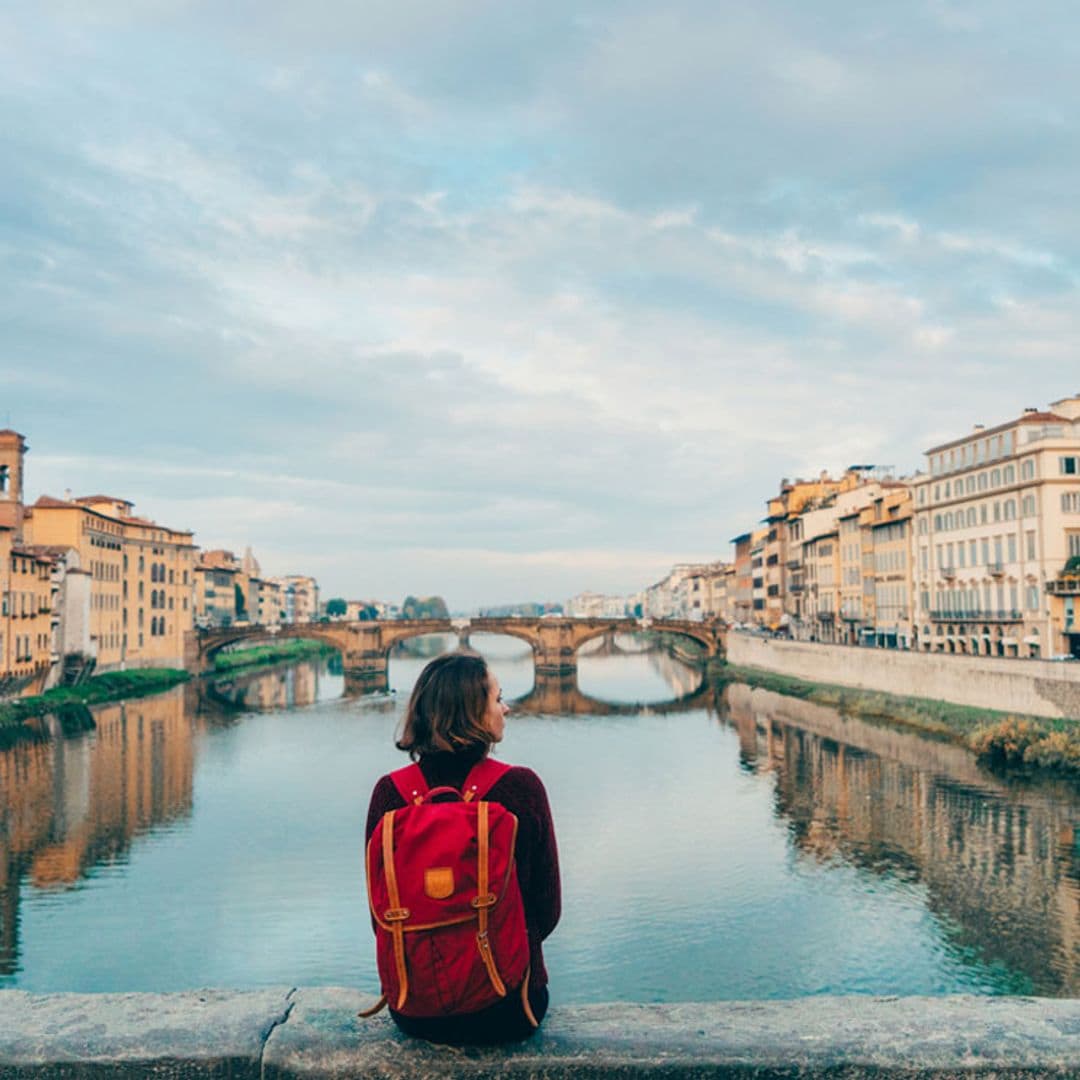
point(713, 845)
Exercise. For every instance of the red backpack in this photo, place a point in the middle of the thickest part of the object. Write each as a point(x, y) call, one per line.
point(442, 884)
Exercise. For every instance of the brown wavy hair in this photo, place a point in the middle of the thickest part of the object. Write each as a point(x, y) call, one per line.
point(447, 708)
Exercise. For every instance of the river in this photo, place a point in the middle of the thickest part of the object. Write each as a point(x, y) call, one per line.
point(714, 844)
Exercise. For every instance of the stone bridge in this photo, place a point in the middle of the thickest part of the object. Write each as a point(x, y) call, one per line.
point(365, 646)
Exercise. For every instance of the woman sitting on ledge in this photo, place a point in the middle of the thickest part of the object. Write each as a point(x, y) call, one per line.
point(461, 966)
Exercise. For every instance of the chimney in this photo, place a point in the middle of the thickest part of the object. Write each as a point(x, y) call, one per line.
point(1029, 410)
point(980, 427)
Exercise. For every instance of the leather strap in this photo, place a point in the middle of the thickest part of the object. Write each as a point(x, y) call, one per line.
point(397, 915)
point(484, 899)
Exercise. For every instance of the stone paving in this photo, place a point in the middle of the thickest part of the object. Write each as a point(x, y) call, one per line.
point(311, 1034)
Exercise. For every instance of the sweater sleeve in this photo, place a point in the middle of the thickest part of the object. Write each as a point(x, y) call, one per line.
point(538, 860)
point(385, 797)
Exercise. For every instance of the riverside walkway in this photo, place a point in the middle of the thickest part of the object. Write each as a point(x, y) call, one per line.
point(314, 1034)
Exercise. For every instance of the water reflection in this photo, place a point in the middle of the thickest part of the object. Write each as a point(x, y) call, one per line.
point(208, 836)
point(67, 805)
point(283, 686)
point(999, 862)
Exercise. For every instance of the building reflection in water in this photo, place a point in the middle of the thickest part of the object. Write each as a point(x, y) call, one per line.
point(67, 805)
point(999, 862)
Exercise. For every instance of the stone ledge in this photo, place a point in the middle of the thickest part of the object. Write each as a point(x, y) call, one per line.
point(311, 1034)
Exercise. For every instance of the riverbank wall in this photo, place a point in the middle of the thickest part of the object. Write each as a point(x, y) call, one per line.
point(1030, 687)
point(310, 1034)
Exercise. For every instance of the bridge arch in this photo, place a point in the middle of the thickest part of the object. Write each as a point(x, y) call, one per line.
point(215, 641)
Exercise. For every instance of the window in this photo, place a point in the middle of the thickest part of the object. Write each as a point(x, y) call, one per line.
point(1070, 502)
point(1027, 506)
point(1009, 475)
point(1029, 538)
point(1010, 509)
point(995, 477)
point(1033, 598)
point(1011, 543)
point(1027, 470)
point(1068, 466)
point(1074, 545)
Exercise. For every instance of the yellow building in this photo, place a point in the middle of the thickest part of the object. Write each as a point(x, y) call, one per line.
point(141, 577)
point(886, 527)
point(781, 564)
point(25, 616)
point(25, 582)
point(997, 517)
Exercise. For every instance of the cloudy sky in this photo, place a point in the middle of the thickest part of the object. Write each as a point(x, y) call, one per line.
point(508, 300)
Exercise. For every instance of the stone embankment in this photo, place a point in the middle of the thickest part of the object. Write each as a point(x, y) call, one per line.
point(1029, 687)
point(310, 1034)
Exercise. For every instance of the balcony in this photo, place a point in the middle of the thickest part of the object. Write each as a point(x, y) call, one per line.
point(826, 616)
point(1064, 586)
point(794, 564)
point(998, 615)
point(796, 587)
point(995, 569)
point(948, 572)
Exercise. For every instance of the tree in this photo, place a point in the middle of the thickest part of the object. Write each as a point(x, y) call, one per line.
point(427, 607)
point(336, 606)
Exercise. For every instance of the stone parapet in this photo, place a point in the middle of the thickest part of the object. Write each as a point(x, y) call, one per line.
point(312, 1034)
point(1033, 687)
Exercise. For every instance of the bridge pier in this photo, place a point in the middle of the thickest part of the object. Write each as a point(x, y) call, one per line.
point(366, 672)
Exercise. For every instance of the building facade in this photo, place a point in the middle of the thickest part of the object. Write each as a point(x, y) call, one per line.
point(141, 576)
point(997, 515)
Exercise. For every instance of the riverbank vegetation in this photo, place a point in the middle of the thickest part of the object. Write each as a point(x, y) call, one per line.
point(112, 686)
point(1000, 739)
point(277, 653)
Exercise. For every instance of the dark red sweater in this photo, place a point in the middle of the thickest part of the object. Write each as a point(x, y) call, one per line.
point(522, 793)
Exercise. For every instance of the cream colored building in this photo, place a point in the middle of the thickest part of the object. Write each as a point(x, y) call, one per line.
point(886, 527)
point(300, 597)
point(997, 515)
point(218, 583)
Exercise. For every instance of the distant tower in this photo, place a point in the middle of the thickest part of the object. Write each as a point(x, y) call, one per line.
point(12, 453)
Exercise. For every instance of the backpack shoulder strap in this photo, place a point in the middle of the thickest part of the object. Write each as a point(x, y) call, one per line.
point(410, 782)
point(483, 776)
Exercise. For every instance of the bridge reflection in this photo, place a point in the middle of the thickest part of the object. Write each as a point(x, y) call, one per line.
point(561, 696)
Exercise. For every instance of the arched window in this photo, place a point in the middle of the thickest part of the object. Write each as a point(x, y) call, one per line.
point(1010, 474)
point(1010, 509)
point(1027, 470)
point(995, 477)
